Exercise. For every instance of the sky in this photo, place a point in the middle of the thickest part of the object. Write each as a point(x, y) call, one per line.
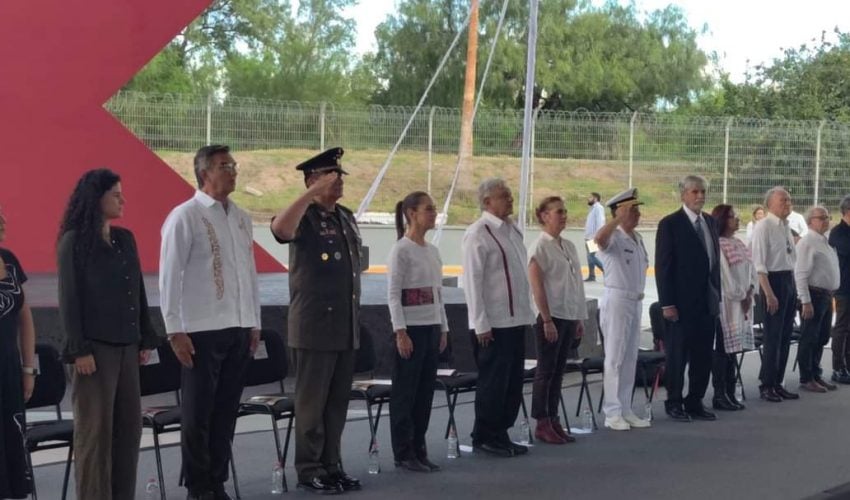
point(738, 30)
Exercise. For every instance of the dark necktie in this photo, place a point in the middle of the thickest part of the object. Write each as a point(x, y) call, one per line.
point(701, 236)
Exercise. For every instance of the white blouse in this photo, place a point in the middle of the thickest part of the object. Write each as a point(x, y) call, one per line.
point(414, 291)
point(562, 282)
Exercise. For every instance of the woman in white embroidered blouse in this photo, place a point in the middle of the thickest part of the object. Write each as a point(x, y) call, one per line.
point(738, 282)
point(419, 322)
point(555, 275)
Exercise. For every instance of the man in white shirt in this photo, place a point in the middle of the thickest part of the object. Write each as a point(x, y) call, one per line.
point(209, 297)
point(774, 256)
point(817, 276)
point(595, 221)
point(498, 300)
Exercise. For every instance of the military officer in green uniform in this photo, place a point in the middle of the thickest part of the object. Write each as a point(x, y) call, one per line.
point(324, 287)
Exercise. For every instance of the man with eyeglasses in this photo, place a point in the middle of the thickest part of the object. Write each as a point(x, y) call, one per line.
point(817, 277)
point(210, 302)
point(774, 257)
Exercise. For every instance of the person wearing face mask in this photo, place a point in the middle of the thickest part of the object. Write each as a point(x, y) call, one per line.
point(555, 275)
point(108, 334)
point(17, 372)
point(210, 301)
point(625, 258)
point(595, 221)
point(323, 329)
point(418, 315)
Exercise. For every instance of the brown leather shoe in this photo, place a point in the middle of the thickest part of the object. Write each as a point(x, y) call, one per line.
point(828, 385)
point(544, 432)
point(812, 386)
point(566, 436)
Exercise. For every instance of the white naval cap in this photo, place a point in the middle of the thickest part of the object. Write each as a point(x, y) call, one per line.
point(629, 197)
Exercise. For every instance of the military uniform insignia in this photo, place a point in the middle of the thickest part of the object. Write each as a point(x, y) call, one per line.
point(337, 255)
point(324, 256)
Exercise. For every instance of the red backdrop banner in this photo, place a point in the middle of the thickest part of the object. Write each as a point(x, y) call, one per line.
point(61, 61)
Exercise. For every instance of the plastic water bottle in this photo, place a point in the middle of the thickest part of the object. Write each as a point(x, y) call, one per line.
point(647, 411)
point(452, 443)
point(587, 421)
point(374, 458)
point(277, 479)
point(739, 391)
point(524, 432)
point(152, 489)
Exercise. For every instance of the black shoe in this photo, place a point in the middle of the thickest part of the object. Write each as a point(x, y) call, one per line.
point(346, 482)
point(732, 399)
point(494, 448)
point(700, 413)
point(677, 413)
point(723, 404)
point(427, 463)
point(413, 465)
point(219, 493)
point(784, 394)
point(206, 495)
point(518, 448)
point(321, 485)
point(769, 394)
point(590, 279)
point(842, 377)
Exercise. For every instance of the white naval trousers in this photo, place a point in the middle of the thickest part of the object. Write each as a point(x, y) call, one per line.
point(620, 314)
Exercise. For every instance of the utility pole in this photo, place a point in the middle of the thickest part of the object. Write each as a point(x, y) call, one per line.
point(465, 151)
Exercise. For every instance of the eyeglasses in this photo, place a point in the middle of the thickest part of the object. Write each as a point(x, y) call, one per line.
point(821, 217)
point(230, 168)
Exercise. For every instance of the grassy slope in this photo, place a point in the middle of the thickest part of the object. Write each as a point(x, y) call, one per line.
point(273, 172)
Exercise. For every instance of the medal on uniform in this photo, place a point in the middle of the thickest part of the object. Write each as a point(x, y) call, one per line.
point(324, 224)
point(324, 256)
point(337, 255)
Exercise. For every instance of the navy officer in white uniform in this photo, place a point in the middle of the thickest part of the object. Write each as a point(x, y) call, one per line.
point(624, 257)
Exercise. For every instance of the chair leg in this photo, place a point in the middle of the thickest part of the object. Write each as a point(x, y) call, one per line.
point(655, 383)
point(378, 416)
point(590, 405)
point(67, 472)
point(581, 392)
point(564, 411)
point(740, 364)
point(159, 464)
point(233, 472)
point(32, 474)
point(601, 398)
point(373, 438)
point(286, 450)
point(451, 409)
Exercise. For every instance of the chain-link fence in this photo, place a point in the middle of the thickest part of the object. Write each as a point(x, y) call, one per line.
point(741, 157)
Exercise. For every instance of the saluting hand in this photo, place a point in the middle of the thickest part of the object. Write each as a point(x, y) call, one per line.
point(323, 184)
point(403, 344)
point(183, 348)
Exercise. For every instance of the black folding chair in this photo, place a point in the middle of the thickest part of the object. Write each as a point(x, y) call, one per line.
point(653, 361)
point(371, 394)
point(758, 338)
point(454, 385)
point(52, 434)
point(270, 368)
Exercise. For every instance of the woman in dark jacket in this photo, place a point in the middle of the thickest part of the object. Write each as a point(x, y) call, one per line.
point(104, 311)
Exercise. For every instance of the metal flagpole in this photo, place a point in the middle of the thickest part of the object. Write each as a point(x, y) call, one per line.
point(528, 123)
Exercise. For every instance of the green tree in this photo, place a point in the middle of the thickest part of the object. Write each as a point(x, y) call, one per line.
point(599, 58)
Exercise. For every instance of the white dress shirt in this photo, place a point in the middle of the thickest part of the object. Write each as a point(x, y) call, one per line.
point(595, 220)
point(414, 288)
point(817, 266)
point(625, 260)
point(797, 223)
point(772, 245)
point(495, 276)
point(562, 282)
point(207, 275)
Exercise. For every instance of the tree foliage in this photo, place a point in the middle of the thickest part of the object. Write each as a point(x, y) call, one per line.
point(810, 82)
point(605, 58)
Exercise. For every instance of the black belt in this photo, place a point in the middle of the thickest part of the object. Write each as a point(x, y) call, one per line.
point(820, 291)
point(780, 273)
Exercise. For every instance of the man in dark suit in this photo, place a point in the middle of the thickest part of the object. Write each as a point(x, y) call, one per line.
point(687, 273)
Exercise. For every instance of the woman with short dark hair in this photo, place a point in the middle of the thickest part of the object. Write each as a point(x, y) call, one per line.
point(104, 310)
point(17, 373)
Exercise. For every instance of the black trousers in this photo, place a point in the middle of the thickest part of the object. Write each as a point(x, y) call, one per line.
point(841, 333)
point(322, 391)
point(413, 392)
point(499, 393)
point(814, 334)
point(723, 369)
point(689, 342)
point(212, 389)
point(551, 359)
point(777, 329)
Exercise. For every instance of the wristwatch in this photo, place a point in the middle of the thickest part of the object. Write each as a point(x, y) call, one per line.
point(29, 370)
